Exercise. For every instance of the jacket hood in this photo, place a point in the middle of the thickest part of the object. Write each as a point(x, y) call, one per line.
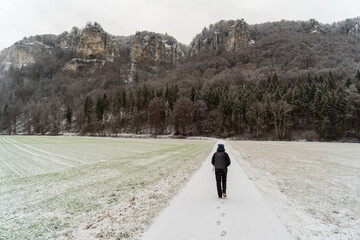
point(220, 149)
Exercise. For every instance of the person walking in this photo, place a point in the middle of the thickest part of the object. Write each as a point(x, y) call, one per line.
point(221, 161)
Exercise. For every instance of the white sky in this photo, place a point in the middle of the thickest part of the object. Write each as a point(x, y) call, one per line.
point(182, 19)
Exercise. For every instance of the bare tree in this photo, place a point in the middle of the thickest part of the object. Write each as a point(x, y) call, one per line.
point(256, 114)
point(157, 114)
point(181, 115)
point(280, 111)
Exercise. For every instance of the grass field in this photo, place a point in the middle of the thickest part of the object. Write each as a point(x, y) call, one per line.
point(51, 187)
point(314, 187)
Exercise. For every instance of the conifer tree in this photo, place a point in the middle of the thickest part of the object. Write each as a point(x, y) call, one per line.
point(117, 103)
point(325, 114)
point(275, 83)
point(106, 105)
point(88, 109)
point(146, 95)
point(296, 105)
point(99, 109)
point(68, 116)
point(138, 100)
point(123, 99)
point(6, 118)
point(193, 94)
point(226, 109)
point(317, 110)
point(348, 83)
point(331, 82)
point(132, 103)
point(159, 92)
point(341, 110)
point(243, 98)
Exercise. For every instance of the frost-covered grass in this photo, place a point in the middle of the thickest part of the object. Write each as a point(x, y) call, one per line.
point(314, 187)
point(66, 187)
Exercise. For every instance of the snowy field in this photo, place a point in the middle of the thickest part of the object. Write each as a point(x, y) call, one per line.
point(86, 188)
point(313, 187)
point(113, 188)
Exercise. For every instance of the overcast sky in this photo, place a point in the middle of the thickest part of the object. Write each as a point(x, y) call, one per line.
point(182, 19)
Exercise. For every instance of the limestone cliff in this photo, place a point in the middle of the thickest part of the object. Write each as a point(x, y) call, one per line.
point(156, 48)
point(228, 35)
point(69, 41)
point(89, 45)
point(25, 52)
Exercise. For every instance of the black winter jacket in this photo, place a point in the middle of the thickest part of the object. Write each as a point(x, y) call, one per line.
point(227, 158)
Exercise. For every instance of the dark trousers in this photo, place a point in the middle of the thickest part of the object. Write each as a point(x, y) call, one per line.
point(220, 175)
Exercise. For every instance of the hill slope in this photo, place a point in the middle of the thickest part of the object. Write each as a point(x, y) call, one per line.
point(88, 81)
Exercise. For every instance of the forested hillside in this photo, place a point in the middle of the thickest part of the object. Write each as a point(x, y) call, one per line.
point(281, 80)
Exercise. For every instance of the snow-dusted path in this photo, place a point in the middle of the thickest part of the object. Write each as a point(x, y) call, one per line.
point(197, 213)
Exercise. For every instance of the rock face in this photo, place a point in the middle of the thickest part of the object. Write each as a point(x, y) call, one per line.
point(93, 46)
point(20, 55)
point(229, 35)
point(25, 52)
point(89, 45)
point(70, 40)
point(156, 48)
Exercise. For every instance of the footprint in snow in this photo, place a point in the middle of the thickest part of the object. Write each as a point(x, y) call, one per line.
point(223, 233)
point(218, 207)
point(223, 214)
point(218, 222)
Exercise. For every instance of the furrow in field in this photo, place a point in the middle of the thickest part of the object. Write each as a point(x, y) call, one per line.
point(45, 152)
point(35, 154)
point(5, 169)
point(160, 161)
point(10, 166)
point(25, 165)
point(13, 170)
point(52, 204)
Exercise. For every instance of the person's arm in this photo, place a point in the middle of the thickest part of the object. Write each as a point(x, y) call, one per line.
point(227, 160)
point(213, 159)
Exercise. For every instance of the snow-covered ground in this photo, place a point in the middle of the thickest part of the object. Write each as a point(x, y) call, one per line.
point(313, 187)
point(197, 213)
point(111, 188)
point(87, 188)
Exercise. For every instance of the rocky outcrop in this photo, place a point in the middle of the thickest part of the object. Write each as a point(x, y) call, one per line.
point(228, 35)
point(156, 48)
point(25, 52)
point(20, 55)
point(91, 45)
point(69, 41)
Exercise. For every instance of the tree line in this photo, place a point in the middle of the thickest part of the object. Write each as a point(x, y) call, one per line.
point(314, 108)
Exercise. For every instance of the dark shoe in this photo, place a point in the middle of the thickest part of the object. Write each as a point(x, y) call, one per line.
point(224, 195)
point(220, 196)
